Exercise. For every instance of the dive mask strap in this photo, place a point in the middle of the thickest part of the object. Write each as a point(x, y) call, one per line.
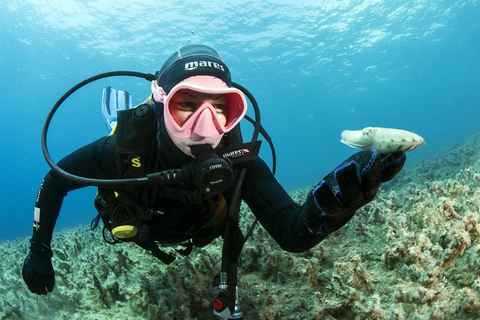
point(158, 92)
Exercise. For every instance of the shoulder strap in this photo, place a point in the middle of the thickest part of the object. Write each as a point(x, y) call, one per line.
point(135, 132)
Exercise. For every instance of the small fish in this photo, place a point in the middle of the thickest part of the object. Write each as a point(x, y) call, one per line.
point(384, 140)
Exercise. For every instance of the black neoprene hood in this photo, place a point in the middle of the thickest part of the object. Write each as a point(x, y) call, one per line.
point(189, 61)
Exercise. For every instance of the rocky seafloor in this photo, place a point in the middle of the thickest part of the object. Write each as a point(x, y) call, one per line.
point(413, 253)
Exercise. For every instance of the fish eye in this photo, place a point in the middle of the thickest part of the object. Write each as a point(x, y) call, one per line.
point(368, 132)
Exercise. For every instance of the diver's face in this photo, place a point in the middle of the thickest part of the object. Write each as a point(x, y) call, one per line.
point(207, 111)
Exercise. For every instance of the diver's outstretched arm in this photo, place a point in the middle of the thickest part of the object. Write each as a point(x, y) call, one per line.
point(329, 205)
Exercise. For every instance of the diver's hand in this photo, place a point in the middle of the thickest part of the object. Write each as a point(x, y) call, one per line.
point(350, 186)
point(38, 271)
point(392, 164)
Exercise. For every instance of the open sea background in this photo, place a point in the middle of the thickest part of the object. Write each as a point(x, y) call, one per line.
point(316, 68)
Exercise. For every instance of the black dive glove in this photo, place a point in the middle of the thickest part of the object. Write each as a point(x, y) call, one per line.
point(354, 183)
point(37, 269)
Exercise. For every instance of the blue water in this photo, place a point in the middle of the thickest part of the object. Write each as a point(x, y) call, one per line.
point(315, 67)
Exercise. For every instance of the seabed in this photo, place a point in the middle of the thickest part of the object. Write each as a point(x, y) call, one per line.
point(413, 253)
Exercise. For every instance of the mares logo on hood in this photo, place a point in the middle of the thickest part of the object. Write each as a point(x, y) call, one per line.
point(189, 61)
point(189, 66)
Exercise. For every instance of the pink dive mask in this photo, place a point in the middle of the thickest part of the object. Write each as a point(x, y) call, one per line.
point(204, 122)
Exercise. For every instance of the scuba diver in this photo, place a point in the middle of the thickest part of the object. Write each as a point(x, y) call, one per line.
point(184, 149)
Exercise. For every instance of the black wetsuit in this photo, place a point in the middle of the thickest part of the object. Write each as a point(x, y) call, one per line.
point(270, 203)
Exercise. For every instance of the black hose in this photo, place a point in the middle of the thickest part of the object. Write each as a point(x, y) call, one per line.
point(82, 180)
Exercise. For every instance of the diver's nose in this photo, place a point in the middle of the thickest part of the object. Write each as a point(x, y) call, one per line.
point(204, 126)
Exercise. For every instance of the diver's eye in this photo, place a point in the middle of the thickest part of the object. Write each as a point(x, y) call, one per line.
point(368, 132)
point(219, 107)
point(186, 106)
